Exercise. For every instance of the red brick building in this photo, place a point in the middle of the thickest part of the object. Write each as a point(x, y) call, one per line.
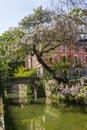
point(78, 54)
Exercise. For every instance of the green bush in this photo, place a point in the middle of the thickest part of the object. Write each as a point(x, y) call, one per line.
point(24, 72)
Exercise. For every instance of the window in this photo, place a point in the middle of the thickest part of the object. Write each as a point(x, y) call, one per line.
point(77, 72)
point(86, 49)
point(86, 58)
point(63, 47)
point(69, 58)
point(76, 59)
point(50, 59)
point(64, 58)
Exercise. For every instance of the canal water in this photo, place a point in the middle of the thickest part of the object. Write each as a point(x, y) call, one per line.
point(40, 115)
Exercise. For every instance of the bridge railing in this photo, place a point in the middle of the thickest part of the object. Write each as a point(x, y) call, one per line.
point(16, 80)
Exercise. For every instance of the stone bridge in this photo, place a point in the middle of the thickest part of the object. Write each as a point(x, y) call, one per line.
point(18, 80)
point(18, 85)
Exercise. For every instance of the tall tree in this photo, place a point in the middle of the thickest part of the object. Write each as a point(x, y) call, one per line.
point(10, 41)
point(10, 54)
point(63, 29)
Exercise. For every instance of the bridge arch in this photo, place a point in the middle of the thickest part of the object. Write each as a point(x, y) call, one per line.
point(18, 84)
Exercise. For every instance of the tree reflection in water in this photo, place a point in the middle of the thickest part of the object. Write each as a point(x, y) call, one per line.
point(41, 116)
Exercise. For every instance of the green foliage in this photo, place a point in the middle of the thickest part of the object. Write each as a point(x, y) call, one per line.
point(77, 13)
point(13, 66)
point(39, 16)
point(84, 88)
point(46, 31)
point(4, 68)
point(22, 71)
point(44, 40)
point(10, 52)
point(11, 44)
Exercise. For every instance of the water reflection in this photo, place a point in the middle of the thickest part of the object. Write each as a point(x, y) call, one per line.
point(16, 99)
point(36, 123)
point(41, 116)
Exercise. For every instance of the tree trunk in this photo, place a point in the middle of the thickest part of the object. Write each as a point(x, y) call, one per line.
point(48, 68)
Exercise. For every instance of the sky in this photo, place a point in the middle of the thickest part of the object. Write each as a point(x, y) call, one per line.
point(12, 11)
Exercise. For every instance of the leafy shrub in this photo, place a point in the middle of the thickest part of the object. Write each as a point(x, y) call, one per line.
point(24, 72)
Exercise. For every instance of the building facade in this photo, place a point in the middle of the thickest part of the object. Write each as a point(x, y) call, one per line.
point(79, 54)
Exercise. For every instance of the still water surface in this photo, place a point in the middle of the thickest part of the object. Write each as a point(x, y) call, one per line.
point(42, 116)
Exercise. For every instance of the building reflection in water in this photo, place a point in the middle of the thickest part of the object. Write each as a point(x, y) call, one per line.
point(41, 116)
point(42, 120)
point(37, 123)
